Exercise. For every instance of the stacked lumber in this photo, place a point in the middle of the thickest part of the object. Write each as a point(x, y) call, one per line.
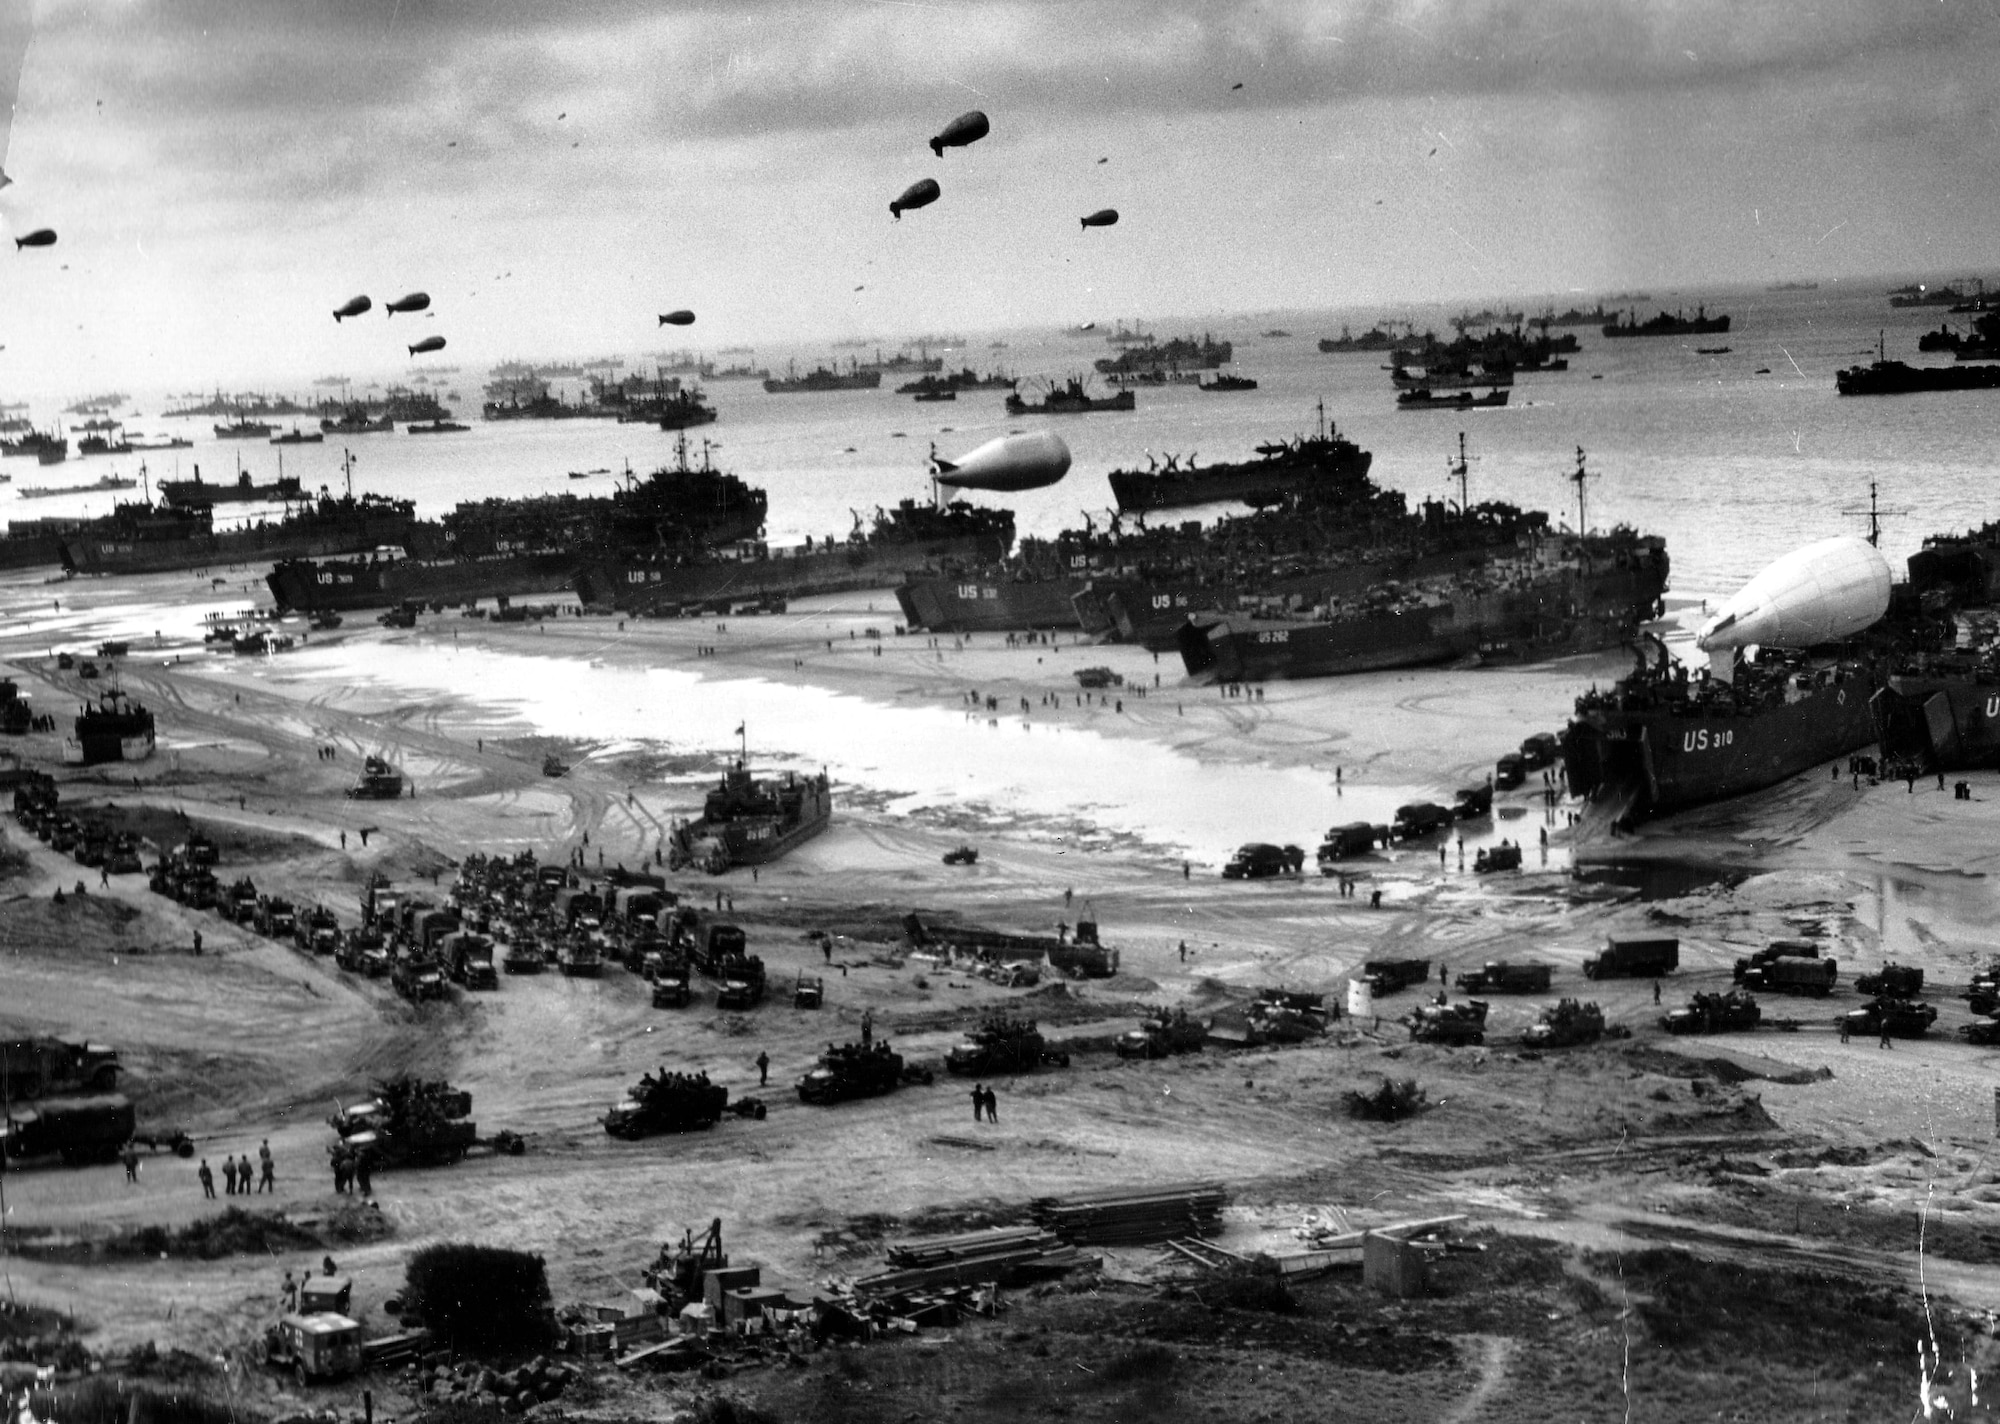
point(1138, 1216)
point(1003, 1255)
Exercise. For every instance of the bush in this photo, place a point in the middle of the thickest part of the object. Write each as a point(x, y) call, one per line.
point(480, 1300)
point(107, 1401)
point(1395, 1100)
point(1251, 1285)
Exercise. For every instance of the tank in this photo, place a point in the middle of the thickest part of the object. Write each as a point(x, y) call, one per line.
point(671, 1102)
point(1162, 1034)
point(1002, 1044)
point(852, 1071)
point(1904, 1018)
point(1819, 594)
point(1732, 1012)
point(1461, 1023)
point(1566, 1025)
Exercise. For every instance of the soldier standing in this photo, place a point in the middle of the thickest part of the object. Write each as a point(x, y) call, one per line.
point(978, 1105)
point(361, 1171)
point(340, 1174)
point(129, 1155)
point(992, 1106)
point(243, 1173)
point(867, 1027)
point(763, 1069)
point(228, 1176)
point(207, 1181)
point(267, 1180)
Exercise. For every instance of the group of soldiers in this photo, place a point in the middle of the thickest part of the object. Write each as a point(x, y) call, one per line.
point(353, 1168)
point(238, 1175)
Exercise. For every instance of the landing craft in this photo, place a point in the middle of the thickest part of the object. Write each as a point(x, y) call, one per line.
point(44, 237)
point(353, 307)
point(682, 317)
point(1818, 594)
point(414, 302)
point(966, 129)
point(920, 194)
point(429, 343)
point(1009, 463)
point(1103, 217)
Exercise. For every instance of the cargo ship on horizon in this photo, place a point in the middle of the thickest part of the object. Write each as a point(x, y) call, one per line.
point(1700, 324)
point(822, 378)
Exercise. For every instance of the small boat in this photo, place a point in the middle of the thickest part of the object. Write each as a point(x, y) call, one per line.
point(586, 474)
point(296, 436)
point(1228, 383)
point(1711, 350)
point(1457, 400)
point(109, 482)
point(436, 427)
point(243, 430)
point(935, 395)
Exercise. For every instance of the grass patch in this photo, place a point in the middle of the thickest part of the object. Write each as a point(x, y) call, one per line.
point(233, 1232)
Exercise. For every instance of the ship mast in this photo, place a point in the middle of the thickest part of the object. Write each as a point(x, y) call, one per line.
point(1459, 472)
point(346, 468)
point(1579, 479)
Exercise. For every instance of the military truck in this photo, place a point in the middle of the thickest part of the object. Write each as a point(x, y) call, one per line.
point(315, 1347)
point(1499, 977)
point(1472, 803)
point(1261, 861)
point(364, 952)
point(962, 855)
point(1565, 1025)
point(1540, 750)
point(1905, 1017)
point(1419, 819)
point(1342, 842)
point(1892, 981)
point(1510, 771)
point(277, 918)
point(408, 1121)
point(80, 1130)
point(418, 977)
point(1390, 976)
point(1002, 1044)
point(742, 977)
point(856, 1071)
point(1463, 1022)
point(47, 1067)
point(1790, 975)
point(470, 956)
point(524, 956)
point(809, 992)
point(317, 931)
point(238, 904)
point(715, 943)
point(1164, 1033)
point(577, 955)
point(671, 1102)
point(1637, 956)
point(1733, 1012)
point(670, 983)
point(1505, 856)
point(1984, 1032)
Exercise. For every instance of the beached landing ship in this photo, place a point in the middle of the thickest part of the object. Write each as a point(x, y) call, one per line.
point(1307, 463)
point(749, 822)
point(1660, 740)
point(1560, 593)
point(1941, 708)
point(142, 538)
point(115, 728)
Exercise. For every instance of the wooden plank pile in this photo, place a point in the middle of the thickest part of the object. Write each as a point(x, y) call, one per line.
point(1139, 1216)
point(1002, 1255)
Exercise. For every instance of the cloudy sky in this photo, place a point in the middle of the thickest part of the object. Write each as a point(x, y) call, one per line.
point(224, 172)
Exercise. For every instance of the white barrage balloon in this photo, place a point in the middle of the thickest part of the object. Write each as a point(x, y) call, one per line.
point(1010, 463)
point(1818, 594)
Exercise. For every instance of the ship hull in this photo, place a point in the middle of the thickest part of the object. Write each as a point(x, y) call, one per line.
point(94, 748)
point(1948, 723)
point(1659, 761)
point(1893, 378)
point(316, 585)
point(111, 554)
point(1550, 618)
point(955, 603)
point(638, 586)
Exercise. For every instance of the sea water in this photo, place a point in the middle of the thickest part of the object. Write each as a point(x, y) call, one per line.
point(1732, 466)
